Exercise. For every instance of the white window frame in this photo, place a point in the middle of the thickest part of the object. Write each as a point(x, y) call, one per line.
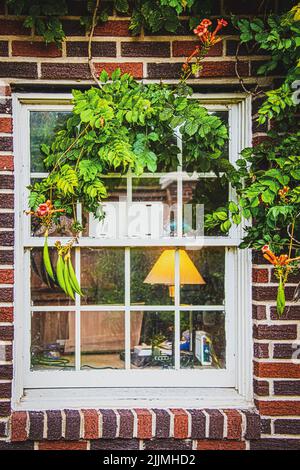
point(237, 377)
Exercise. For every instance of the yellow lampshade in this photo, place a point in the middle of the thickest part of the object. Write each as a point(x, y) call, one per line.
point(163, 271)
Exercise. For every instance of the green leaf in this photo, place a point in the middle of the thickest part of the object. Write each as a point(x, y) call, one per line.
point(280, 301)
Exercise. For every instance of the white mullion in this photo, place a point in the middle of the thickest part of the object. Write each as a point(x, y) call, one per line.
point(27, 318)
point(131, 308)
point(177, 311)
point(77, 313)
point(127, 308)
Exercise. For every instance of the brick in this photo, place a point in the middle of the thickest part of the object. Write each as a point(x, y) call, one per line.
point(99, 49)
point(216, 424)
point(36, 425)
point(275, 331)
point(181, 423)
point(261, 350)
point(198, 424)
point(144, 423)
point(109, 424)
point(287, 426)
point(265, 426)
point(66, 71)
point(6, 125)
point(6, 144)
point(256, 64)
point(72, 431)
point(5, 409)
point(260, 275)
point(18, 70)
point(291, 313)
point(6, 257)
point(145, 49)
point(113, 28)
point(168, 444)
point(6, 238)
point(73, 28)
point(6, 276)
point(62, 445)
point(261, 387)
point(234, 424)
point(259, 312)
point(252, 425)
point(115, 444)
point(163, 421)
point(7, 352)
point(275, 444)
point(185, 48)
point(35, 49)
point(210, 69)
point(287, 387)
point(5, 90)
point(6, 294)
point(286, 351)
point(91, 424)
point(13, 27)
point(257, 257)
point(277, 370)
point(126, 424)
point(6, 220)
point(6, 333)
point(3, 48)
point(6, 162)
point(259, 139)
point(18, 426)
point(3, 429)
point(5, 389)
point(294, 278)
point(16, 445)
point(133, 68)
point(220, 445)
point(6, 201)
point(54, 425)
point(279, 408)
point(5, 106)
point(269, 293)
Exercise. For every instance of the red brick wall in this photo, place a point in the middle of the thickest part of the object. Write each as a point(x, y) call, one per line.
point(26, 59)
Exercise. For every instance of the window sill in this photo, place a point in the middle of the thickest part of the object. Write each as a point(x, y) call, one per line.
point(45, 399)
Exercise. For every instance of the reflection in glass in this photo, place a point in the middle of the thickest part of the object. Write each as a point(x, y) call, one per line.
point(152, 340)
point(158, 198)
point(203, 340)
point(102, 276)
point(52, 340)
point(201, 196)
point(43, 126)
point(43, 290)
point(143, 290)
point(210, 263)
point(102, 340)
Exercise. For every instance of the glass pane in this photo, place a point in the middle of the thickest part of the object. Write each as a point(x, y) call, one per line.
point(201, 196)
point(154, 289)
point(43, 290)
point(202, 276)
point(102, 340)
point(52, 340)
point(102, 276)
point(203, 340)
point(43, 126)
point(158, 200)
point(152, 340)
point(199, 160)
point(113, 210)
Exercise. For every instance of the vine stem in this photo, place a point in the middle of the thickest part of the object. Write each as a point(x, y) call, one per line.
point(94, 23)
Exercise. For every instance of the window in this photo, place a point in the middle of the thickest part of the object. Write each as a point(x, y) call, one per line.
point(162, 302)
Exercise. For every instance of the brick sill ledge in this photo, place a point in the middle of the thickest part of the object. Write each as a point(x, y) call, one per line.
point(163, 423)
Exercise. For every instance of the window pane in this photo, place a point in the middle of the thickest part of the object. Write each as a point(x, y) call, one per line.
point(203, 341)
point(113, 207)
point(102, 340)
point(43, 125)
point(202, 276)
point(43, 290)
point(152, 340)
point(102, 276)
point(157, 215)
point(52, 340)
point(157, 288)
point(201, 196)
point(197, 159)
